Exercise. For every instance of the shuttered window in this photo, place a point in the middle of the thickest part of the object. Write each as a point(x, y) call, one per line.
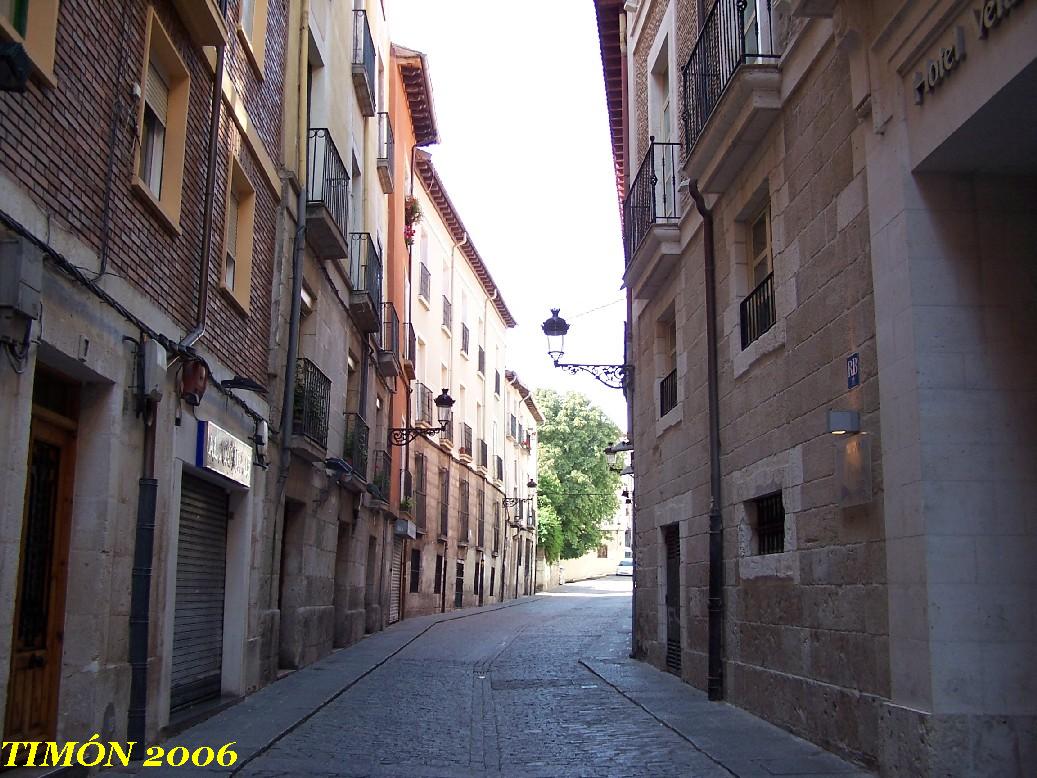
point(153, 136)
point(230, 264)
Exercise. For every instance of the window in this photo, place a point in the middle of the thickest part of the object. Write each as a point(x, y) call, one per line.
point(756, 313)
point(236, 278)
point(459, 585)
point(666, 360)
point(603, 552)
point(34, 24)
point(496, 529)
point(437, 585)
point(415, 569)
point(770, 524)
point(496, 382)
point(493, 575)
point(425, 285)
point(252, 31)
point(759, 247)
point(420, 489)
point(444, 501)
point(162, 125)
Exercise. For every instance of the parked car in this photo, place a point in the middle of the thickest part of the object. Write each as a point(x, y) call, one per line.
point(626, 567)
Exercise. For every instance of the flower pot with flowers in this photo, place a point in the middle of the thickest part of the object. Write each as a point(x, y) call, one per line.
point(411, 216)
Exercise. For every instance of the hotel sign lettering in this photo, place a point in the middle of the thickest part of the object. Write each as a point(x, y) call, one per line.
point(949, 58)
point(222, 453)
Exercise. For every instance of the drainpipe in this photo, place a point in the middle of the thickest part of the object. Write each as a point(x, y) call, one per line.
point(210, 195)
point(715, 668)
point(140, 591)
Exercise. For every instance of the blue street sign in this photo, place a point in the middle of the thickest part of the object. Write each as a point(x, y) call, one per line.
point(853, 370)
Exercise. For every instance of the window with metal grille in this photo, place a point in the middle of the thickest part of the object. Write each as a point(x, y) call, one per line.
point(481, 497)
point(459, 585)
point(444, 501)
point(770, 524)
point(415, 569)
point(464, 512)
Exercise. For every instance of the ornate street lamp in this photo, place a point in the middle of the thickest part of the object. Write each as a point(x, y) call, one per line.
point(612, 376)
point(511, 502)
point(401, 436)
point(612, 454)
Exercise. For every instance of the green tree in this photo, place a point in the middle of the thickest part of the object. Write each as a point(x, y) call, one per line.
point(576, 490)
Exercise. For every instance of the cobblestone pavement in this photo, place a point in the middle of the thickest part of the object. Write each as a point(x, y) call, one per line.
point(541, 688)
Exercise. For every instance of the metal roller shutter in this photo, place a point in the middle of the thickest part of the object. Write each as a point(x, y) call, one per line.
point(394, 580)
point(200, 580)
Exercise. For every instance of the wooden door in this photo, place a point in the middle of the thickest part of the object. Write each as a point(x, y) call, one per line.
point(39, 616)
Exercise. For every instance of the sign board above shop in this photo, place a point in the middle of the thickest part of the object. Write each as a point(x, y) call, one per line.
point(222, 453)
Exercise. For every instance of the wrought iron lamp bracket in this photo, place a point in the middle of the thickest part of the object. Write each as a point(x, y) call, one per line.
point(612, 376)
point(401, 436)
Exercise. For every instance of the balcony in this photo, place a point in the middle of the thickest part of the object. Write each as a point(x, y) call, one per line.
point(203, 21)
point(466, 337)
point(731, 92)
point(482, 360)
point(310, 411)
point(388, 359)
point(363, 63)
point(385, 160)
point(410, 351)
point(756, 312)
point(357, 444)
point(423, 415)
point(465, 452)
point(365, 278)
point(327, 197)
point(448, 314)
point(652, 198)
point(425, 284)
point(484, 455)
point(498, 469)
point(381, 476)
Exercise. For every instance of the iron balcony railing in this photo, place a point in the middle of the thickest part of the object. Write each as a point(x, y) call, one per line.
point(484, 454)
point(668, 393)
point(327, 181)
point(386, 144)
point(512, 426)
point(363, 63)
point(482, 360)
point(423, 404)
point(365, 266)
point(498, 469)
point(734, 32)
point(390, 338)
point(756, 313)
point(425, 283)
point(448, 313)
point(357, 444)
point(465, 338)
point(411, 343)
point(381, 475)
point(447, 435)
point(466, 439)
point(312, 402)
point(652, 198)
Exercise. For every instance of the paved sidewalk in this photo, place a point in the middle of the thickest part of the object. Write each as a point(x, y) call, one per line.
point(740, 743)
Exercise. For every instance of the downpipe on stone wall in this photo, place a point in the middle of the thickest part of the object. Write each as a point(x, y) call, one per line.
point(140, 587)
point(715, 664)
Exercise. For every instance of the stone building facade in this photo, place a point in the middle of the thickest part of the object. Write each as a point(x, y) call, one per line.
point(810, 228)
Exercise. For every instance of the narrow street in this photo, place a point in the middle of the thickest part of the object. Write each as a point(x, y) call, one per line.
point(542, 687)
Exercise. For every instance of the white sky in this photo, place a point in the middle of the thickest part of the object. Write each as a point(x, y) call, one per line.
point(526, 158)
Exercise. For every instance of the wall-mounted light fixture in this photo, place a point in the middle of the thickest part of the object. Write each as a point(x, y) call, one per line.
point(401, 436)
point(612, 454)
point(844, 422)
point(612, 376)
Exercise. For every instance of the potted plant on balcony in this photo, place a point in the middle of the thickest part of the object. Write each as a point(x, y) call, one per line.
point(411, 216)
point(407, 508)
